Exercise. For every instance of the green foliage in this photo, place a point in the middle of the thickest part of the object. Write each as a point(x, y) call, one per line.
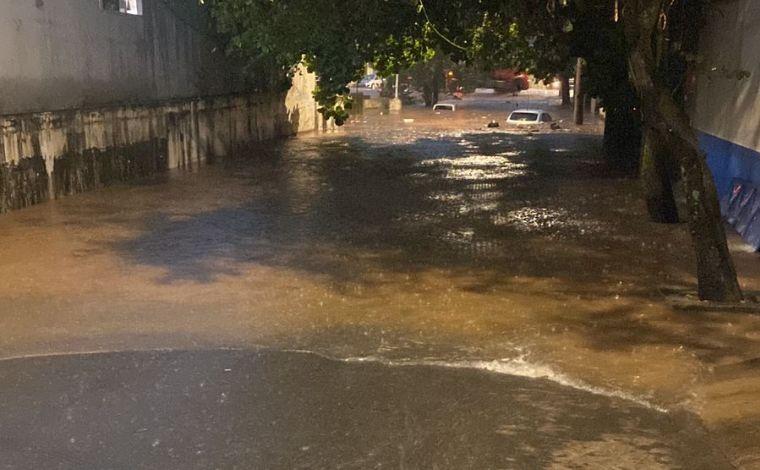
point(336, 38)
point(333, 38)
point(530, 40)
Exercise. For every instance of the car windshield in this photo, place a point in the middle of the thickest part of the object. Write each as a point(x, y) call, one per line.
point(519, 116)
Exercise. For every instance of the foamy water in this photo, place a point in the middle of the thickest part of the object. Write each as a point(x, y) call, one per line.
point(519, 367)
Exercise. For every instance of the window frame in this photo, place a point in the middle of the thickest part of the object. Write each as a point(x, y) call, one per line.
point(125, 7)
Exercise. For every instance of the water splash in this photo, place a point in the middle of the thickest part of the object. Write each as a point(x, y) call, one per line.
point(520, 367)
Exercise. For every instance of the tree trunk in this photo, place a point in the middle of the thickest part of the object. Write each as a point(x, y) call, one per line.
point(587, 104)
point(427, 94)
point(564, 89)
point(437, 79)
point(656, 181)
point(668, 123)
point(578, 94)
point(716, 274)
point(622, 138)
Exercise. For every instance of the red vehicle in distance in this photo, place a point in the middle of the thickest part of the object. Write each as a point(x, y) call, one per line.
point(509, 81)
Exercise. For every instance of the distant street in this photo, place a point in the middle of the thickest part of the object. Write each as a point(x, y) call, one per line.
point(410, 291)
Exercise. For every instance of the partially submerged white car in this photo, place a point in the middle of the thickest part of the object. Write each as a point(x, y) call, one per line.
point(531, 118)
point(444, 107)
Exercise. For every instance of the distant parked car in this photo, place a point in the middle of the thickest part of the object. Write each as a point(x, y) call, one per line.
point(371, 81)
point(531, 117)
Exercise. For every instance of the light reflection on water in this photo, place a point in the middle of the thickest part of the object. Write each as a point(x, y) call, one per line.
point(477, 168)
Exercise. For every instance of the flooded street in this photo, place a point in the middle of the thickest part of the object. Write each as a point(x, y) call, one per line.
point(420, 240)
point(223, 409)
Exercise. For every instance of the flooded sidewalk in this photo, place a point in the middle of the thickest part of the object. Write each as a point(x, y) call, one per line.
point(421, 239)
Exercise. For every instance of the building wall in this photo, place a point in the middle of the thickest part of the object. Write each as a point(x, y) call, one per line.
point(725, 108)
point(90, 97)
point(68, 54)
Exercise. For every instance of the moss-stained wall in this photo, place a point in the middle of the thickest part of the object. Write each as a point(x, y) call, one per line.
point(23, 183)
point(67, 152)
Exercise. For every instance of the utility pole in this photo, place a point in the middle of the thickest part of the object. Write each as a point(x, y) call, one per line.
point(395, 103)
point(564, 89)
point(578, 94)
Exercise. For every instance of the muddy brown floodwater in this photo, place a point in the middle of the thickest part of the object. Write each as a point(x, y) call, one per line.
point(432, 242)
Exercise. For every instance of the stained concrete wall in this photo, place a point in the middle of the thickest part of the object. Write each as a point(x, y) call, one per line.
point(51, 154)
point(68, 54)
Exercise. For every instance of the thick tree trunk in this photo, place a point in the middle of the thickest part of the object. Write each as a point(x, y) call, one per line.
point(578, 93)
point(431, 87)
point(656, 181)
point(622, 139)
point(427, 94)
point(437, 79)
point(564, 89)
point(587, 104)
point(669, 124)
point(716, 274)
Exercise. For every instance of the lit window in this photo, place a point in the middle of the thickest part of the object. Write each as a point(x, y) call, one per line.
point(130, 7)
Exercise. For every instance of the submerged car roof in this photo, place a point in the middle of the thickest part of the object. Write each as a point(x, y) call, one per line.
point(535, 111)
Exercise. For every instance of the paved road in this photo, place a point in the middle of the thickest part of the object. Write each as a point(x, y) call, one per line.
point(288, 410)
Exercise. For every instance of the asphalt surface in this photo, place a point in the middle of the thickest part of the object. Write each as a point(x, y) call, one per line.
point(272, 410)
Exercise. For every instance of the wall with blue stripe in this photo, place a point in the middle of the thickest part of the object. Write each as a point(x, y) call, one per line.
point(725, 107)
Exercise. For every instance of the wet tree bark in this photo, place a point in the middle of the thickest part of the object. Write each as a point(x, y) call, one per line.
point(430, 93)
point(564, 89)
point(578, 93)
point(437, 79)
point(432, 85)
point(667, 122)
point(427, 94)
point(622, 139)
point(656, 181)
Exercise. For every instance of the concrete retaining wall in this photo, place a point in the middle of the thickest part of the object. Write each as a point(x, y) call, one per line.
point(65, 152)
